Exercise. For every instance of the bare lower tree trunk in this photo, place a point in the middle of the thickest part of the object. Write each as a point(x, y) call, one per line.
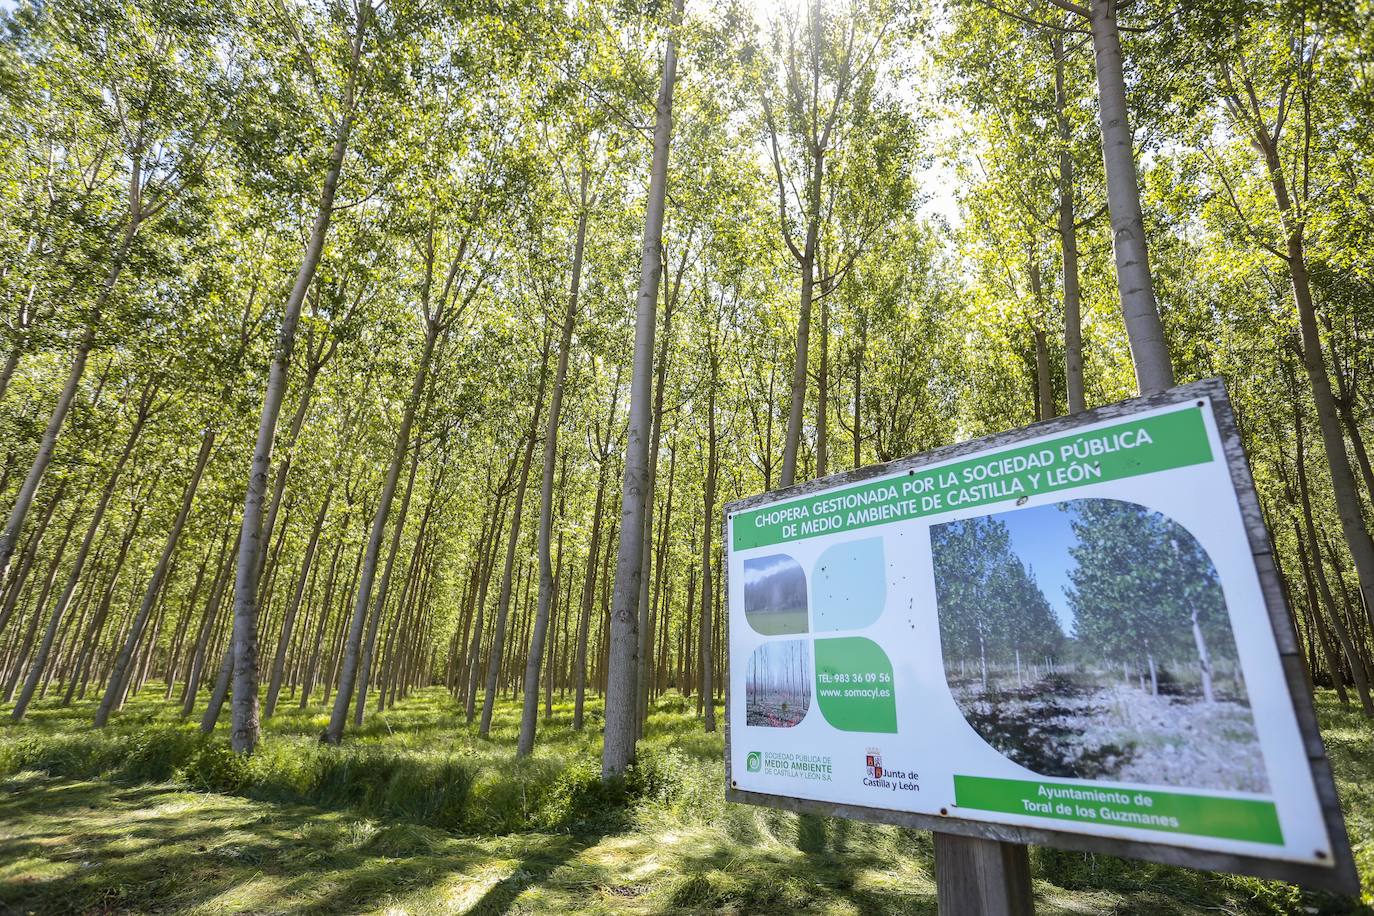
point(200, 655)
point(1068, 242)
point(530, 713)
point(49, 580)
point(172, 667)
point(59, 609)
point(618, 750)
point(823, 394)
point(1149, 350)
point(383, 588)
point(1044, 389)
point(314, 363)
point(1347, 494)
point(706, 650)
point(495, 657)
point(1345, 406)
point(1342, 633)
point(588, 596)
point(797, 409)
point(474, 665)
point(289, 619)
point(221, 689)
point(655, 442)
point(115, 690)
point(353, 647)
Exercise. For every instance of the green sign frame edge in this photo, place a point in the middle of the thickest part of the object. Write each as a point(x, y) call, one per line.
point(1341, 876)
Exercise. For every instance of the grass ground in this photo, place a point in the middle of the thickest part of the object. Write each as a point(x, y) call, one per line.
point(418, 815)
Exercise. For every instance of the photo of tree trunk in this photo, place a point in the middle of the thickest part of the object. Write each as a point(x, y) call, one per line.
point(1090, 639)
point(777, 686)
point(775, 595)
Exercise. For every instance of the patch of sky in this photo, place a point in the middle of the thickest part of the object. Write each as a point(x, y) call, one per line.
point(1042, 537)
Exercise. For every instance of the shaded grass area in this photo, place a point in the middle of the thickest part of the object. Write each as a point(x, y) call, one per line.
point(417, 814)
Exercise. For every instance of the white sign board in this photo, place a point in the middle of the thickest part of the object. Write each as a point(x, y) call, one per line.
point(1063, 632)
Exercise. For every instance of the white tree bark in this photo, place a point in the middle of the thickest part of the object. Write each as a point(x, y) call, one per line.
point(618, 751)
point(530, 713)
point(1149, 350)
point(352, 648)
point(59, 610)
point(244, 641)
point(114, 692)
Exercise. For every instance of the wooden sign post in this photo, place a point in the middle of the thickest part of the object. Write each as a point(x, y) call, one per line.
point(1070, 635)
point(976, 877)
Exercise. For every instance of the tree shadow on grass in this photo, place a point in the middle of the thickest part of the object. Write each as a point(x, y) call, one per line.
point(534, 868)
point(765, 878)
point(97, 847)
point(93, 847)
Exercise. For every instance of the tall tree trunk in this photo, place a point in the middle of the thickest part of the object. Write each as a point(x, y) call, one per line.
point(244, 642)
point(220, 692)
point(495, 656)
point(474, 662)
point(30, 553)
point(823, 394)
point(660, 556)
point(1149, 350)
point(1342, 634)
point(98, 627)
point(9, 538)
point(1345, 405)
point(289, 619)
point(618, 749)
point(312, 658)
point(201, 653)
point(1068, 241)
point(706, 650)
point(860, 352)
point(588, 597)
point(115, 690)
point(172, 668)
point(59, 609)
point(312, 371)
point(353, 647)
point(1348, 507)
point(14, 524)
point(12, 680)
point(383, 589)
point(792, 444)
point(530, 713)
point(1044, 388)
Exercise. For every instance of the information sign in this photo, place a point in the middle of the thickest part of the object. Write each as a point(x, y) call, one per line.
point(1070, 634)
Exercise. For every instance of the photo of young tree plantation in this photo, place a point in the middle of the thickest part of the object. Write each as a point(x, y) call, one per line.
point(775, 595)
point(777, 687)
point(374, 375)
point(1089, 638)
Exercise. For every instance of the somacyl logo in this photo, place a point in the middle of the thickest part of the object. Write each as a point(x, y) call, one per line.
point(754, 762)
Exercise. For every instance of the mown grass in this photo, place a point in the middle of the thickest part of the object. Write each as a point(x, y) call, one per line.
point(417, 814)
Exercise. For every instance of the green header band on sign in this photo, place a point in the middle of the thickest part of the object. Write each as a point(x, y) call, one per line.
point(1172, 812)
point(1159, 443)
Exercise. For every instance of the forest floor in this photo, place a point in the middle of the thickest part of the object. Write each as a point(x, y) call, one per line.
point(1076, 727)
point(416, 814)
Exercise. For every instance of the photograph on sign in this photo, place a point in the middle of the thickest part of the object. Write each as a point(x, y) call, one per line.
point(1089, 638)
point(1066, 632)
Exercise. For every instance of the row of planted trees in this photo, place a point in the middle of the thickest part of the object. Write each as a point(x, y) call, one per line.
point(354, 346)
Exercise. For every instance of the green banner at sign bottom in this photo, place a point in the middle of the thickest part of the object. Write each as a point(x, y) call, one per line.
point(1171, 812)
